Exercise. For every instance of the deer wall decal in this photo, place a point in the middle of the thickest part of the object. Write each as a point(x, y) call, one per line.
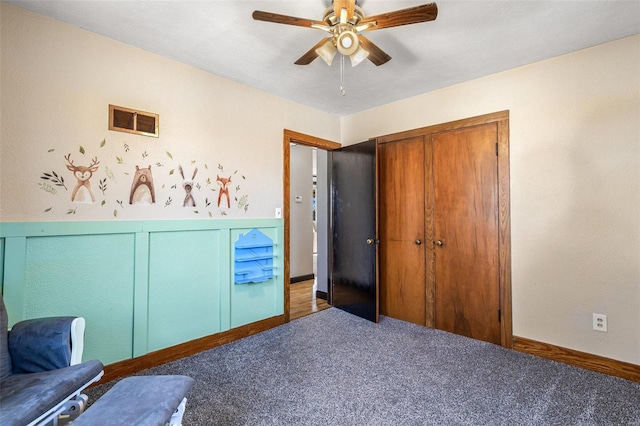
point(82, 192)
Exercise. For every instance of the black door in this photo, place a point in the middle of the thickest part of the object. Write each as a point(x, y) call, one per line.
point(354, 280)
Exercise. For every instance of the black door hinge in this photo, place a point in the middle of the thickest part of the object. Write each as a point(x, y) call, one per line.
point(496, 149)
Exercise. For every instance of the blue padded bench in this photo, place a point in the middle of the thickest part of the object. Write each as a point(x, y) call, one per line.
point(140, 401)
point(24, 396)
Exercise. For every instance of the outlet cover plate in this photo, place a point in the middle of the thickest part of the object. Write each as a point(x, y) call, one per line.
point(600, 322)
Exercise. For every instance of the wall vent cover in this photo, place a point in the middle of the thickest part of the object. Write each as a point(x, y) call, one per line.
point(134, 121)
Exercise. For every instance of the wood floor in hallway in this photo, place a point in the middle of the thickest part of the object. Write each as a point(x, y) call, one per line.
point(304, 300)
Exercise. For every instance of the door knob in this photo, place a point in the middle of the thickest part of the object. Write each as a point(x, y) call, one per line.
point(418, 242)
point(439, 243)
point(370, 241)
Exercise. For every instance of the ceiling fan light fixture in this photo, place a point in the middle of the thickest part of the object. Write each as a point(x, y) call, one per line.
point(345, 21)
point(359, 56)
point(348, 43)
point(327, 52)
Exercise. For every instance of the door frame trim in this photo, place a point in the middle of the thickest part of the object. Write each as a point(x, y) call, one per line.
point(289, 137)
point(501, 119)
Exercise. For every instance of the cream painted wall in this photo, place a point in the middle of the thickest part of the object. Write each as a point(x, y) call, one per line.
point(301, 213)
point(575, 188)
point(56, 84)
point(323, 219)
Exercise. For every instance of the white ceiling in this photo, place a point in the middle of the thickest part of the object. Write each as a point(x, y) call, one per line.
point(469, 39)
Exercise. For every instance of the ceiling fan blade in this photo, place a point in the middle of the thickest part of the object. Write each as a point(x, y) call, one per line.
point(376, 55)
point(350, 5)
point(259, 15)
point(411, 15)
point(308, 57)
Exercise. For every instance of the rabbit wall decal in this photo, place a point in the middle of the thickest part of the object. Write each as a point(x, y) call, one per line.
point(189, 201)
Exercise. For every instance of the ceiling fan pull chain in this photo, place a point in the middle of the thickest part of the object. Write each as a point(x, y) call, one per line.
point(343, 91)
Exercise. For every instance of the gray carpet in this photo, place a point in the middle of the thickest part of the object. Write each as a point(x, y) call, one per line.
point(332, 368)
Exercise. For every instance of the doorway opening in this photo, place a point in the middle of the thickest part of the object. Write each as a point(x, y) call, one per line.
point(291, 138)
point(309, 224)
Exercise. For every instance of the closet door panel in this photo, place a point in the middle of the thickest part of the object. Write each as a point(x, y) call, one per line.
point(465, 180)
point(402, 234)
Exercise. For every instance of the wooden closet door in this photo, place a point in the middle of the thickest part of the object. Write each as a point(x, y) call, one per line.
point(402, 247)
point(465, 168)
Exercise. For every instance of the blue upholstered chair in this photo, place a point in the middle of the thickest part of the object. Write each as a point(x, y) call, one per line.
point(41, 373)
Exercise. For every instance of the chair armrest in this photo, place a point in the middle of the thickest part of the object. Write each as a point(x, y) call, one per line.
point(77, 340)
point(41, 344)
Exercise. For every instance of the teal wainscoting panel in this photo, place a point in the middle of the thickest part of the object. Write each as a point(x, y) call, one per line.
point(140, 285)
point(89, 276)
point(141, 295)
point(15, 251)
point(1, 262)
point(184, 286)
point(252, 302)
point(225, 273)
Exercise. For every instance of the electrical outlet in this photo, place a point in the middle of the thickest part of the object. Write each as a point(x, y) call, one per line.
point(600, 322)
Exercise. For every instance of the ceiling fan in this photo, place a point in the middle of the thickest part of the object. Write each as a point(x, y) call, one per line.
point(345, 22)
